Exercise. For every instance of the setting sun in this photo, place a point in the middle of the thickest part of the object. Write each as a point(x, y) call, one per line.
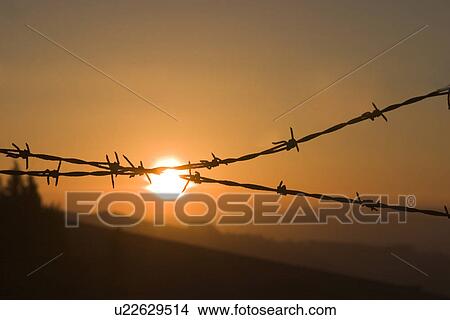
point(169, 181)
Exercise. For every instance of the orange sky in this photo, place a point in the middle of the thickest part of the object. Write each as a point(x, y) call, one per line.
point(225, 69)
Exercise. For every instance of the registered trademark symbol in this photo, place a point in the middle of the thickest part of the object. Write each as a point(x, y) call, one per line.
point(411, 201)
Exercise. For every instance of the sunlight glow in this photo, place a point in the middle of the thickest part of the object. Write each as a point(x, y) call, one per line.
point(168, 182)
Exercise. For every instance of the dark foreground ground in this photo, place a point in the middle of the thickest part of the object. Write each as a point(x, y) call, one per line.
point(112, 264)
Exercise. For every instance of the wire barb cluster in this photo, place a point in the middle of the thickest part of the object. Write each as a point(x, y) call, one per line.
point(375, 113)
point(288, 144)
point(115, 168)
point(18, 153)
point(53, 174)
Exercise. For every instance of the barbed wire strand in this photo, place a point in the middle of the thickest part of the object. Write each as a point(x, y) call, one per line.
point(282, 190)
point(279, 146)
point(198, 179)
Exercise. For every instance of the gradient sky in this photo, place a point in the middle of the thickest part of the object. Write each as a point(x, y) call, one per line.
point(225, 69)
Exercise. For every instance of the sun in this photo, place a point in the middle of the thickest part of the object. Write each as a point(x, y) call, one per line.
point(169, 181)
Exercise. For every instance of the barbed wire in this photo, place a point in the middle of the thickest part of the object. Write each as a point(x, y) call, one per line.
point(198, 179)
point(279, 146)
point(114, 168)
point(282, 190)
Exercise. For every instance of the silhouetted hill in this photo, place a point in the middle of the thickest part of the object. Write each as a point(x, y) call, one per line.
point(106, 263)
point(353, 259)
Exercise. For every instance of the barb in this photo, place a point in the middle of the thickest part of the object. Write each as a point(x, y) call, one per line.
point(281, 189)
point(215, 162)
point(196, 178)
point(18, 153)
point(53, 174)
point(140, 170)
point(288, 144)
point(374, 114)
point(114, 167)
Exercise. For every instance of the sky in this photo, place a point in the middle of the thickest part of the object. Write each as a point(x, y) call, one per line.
point(225, 70)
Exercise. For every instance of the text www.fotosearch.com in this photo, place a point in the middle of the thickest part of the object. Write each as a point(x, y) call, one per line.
point(248, 310)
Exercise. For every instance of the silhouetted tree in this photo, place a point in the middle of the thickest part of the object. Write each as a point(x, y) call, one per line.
point(14, 186)
point(31, 194)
